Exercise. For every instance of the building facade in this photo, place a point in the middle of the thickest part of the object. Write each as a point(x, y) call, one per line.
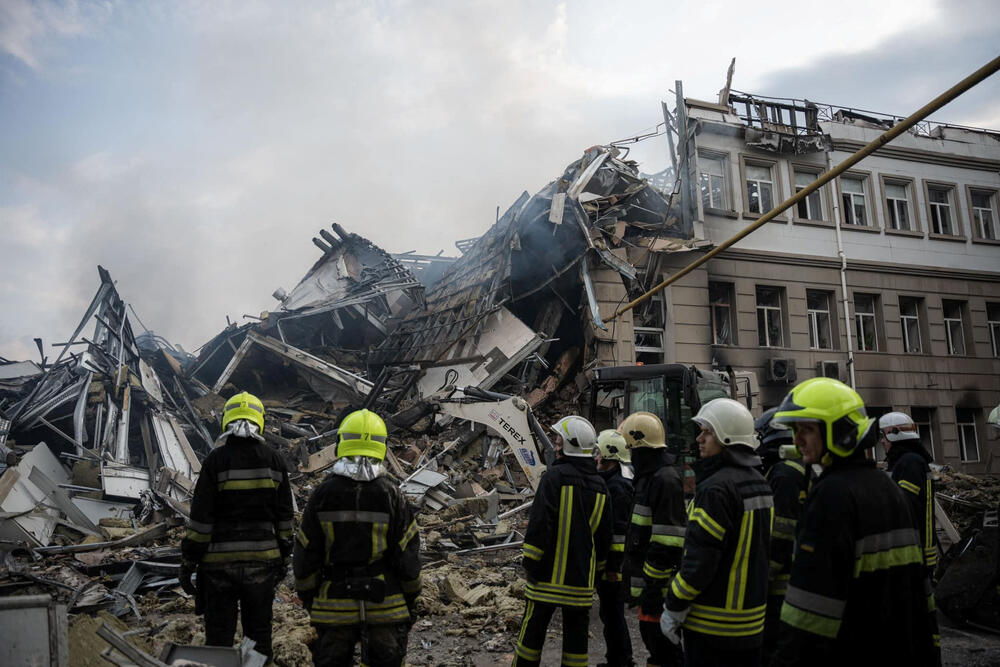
point(887, 278)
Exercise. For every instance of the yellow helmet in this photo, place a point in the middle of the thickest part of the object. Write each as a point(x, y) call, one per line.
point(832, 403)
point(362, 433)
point(612, 446)
point(244, 406)
point(643, 429)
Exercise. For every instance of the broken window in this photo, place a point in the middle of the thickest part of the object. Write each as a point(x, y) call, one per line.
point(720, 297)
point(818, 311)
point(769, 332)
point(809, 208)
point(965, 420)
point(909, 320)
point(865, 306)
point(713, 181)
point(954, 327)
point(760, 188)
point(897, 201)
point(993, 323)
point(984, 216)
point(855, 201)
point(939, 199)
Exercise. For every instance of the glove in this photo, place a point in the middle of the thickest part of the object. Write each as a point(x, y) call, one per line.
point(184, 574)
point(670, 624)
point(650, 600)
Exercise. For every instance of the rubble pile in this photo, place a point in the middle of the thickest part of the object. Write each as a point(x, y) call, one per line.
point(964, 497)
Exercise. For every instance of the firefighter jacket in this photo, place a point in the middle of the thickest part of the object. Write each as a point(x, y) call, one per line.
point(620, 491)
point(357, 554)
point(789, 482)
point(859, 593)
point(723, 576)
point(241, 510)
point(568, 537)
point(656, 530)
point(908, 465)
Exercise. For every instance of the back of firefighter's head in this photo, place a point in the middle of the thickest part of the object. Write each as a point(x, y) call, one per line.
point(244, 406)
point(612, 446)
point(362, 433)
point(837, 412)
point(577, 434)
point(643, 429)
point(897, 427)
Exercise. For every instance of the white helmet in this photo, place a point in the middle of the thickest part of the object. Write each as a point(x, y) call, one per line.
point(994, 418)
point(896, 426)
point(578, 434)
point(731, 422)
point(612, 446)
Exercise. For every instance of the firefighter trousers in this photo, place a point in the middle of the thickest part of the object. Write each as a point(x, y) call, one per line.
point(381, 645)
point(576, 621)
point(611, 601)
point(701, 650)
point(238, 589)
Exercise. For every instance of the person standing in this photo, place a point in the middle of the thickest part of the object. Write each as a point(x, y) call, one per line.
point(357, 554)
point(239, 535)
point(566, 546)
point(720, 593)
point(656, 530)
point(858, 593)
point(612, 452)
point(909, 467)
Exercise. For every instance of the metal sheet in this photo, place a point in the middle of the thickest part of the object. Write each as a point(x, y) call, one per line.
point(172, 454)
point(150, 382)
point(35, 631)
point(124, 481)
point(95, 510)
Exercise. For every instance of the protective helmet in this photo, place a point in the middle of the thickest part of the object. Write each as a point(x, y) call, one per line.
point(612, 445)
point(578, 434)
point(730, 420)
point(362, 433)
point(832, 403)
point(994, 418)
point(896, 426)
point(244, 406)
point(771, 437)
point(643, 429)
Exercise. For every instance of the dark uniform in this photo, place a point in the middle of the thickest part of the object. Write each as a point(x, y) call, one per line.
point(566, 546)
point(357, 569)
point(858, 594)
point(240, 532)
point(611, 589)
point(655, 543)
point(723, 577)
point(908, 465)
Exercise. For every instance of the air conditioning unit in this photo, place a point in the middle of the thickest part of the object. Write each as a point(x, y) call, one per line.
point(828, 369)
point(781, 370)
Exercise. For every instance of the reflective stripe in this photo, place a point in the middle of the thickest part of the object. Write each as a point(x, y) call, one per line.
point(302, 538)
point(682, 589)
point(595, 515)
point(254, 545)
point(814, 602)
point(618, 539)
point(307, 583)
point(618, 547)
point(796, 466)
point(353, 516)
point(736, 590)
point(882, 541)
point(563, 526)
point(808, 621)
point(248, 485)
point(642, 515)
point(233, 556)
point(757, 503)
point(930, 551)
point(574, 659)
point(531, 551)
point(249, 473)
point(667, 540)
point(199, 527)
point(411, 532)
point(725, 622)
point(655, 573)
point(710, 525)
point(520, 650)
point(195, 536)
point(888, 559)
point(358, 436)
point(573, 596)
point(909, 486)
point(379, 532)
point(667, 529)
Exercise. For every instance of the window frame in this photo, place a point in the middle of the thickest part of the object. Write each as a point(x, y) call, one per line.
point(994, 327)
point(961, 319)
point(918, 304)
point(869, 196)
point(994, 196)
point(813, 321)
point(929, 424)
point(962, 445)
point(776, 196)
point(826, 218)
point(958, 228)
point(781, 311)
point(731, 307)
point(909, 184)
point(858, 318)
point(727, 176)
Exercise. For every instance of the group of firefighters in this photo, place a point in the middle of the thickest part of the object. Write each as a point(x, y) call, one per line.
point(773, 562)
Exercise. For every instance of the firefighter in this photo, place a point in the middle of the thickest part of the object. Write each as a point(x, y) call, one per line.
point(612, 452)
point(859, 593)
point(239, 536)
point(656, 530)
point(566, 545)
point(908, 465)
point(719, 595)
point(789, 482)
point(356, 560)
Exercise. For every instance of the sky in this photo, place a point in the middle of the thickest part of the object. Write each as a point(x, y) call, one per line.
point(194, 147)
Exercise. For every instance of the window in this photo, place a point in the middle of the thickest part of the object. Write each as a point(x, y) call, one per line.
point(855, 202)
point(984, 215)
point(818, 312)
point(954, 330)
point(713, 182)
point(965, 419)
point(897, 201)
point(809, 208)
point(769, 316)
point(864, 321)
point(909, 319)
point(939, 199)
point(924, 419)
point(993, 324)
point(720, 296)
point(760, 188)
point(875, 412)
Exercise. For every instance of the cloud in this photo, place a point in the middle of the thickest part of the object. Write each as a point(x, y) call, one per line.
point(29, 29)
